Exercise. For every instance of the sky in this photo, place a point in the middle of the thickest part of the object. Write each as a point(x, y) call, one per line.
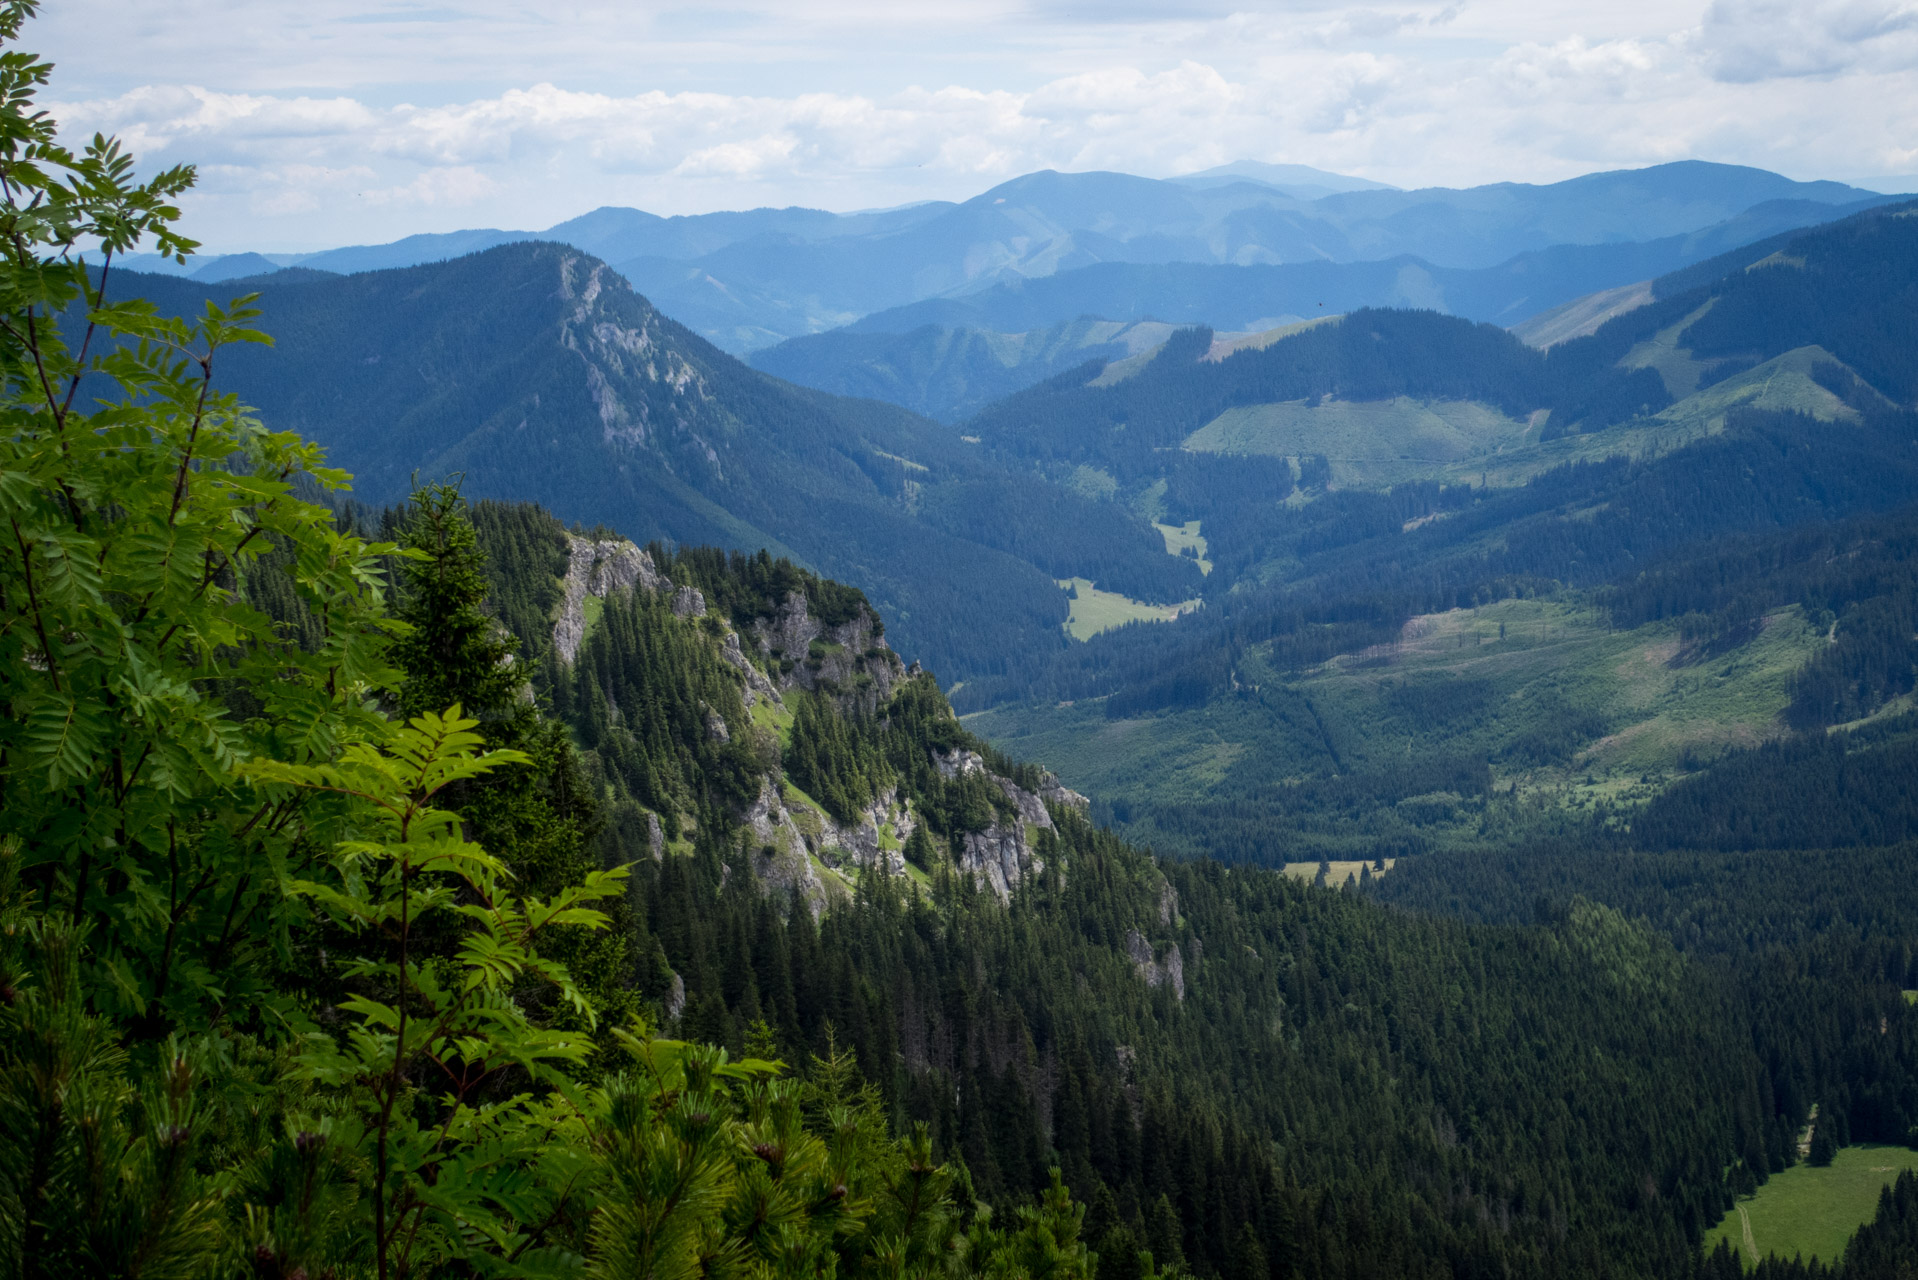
point(328, 122)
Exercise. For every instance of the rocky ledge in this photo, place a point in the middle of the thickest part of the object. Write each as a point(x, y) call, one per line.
point(1003, 855)
point(597, 569)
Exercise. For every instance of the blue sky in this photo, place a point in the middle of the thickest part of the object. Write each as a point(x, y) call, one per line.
point(344, 121)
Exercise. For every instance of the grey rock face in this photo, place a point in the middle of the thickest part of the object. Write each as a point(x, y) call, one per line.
point(851, 660)
point(689, 602)
point(757, 685)
point(655, 837)
point(1168, 970)
point(958, 763)
point(642, 389)
point(779, 859)
point(676, 997)
point(1002, 856)
point(998, 858)
point(1064, 797)
point(597, 569)
point(858, 842)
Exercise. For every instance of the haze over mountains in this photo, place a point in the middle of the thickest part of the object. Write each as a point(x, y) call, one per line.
point(746, 280)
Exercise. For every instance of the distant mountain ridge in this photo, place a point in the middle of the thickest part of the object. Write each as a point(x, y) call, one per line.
point(932, 356)
point(750, 279)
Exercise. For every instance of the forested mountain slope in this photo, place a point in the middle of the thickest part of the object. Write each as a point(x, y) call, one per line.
point(1239, 1071)
point(536, 372)
point(951, 373)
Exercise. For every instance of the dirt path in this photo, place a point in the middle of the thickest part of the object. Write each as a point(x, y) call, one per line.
point(1751, 1245)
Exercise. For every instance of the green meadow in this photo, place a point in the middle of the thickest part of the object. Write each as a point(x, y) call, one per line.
point(1810, 1212)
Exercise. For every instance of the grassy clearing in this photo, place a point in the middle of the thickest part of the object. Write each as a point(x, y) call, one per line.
point(1581, 316)
point(1539, 661)
point(779, 719)
point(1225, 344)
point(1092, 482)
point(1812, 1213)
point(1674, 363)
point(1370, 443)
point(1571, 715)
point(1783, 383)
point(1341, 871)
point(1094, 610)
point(1180, 536)
point(1376, 444)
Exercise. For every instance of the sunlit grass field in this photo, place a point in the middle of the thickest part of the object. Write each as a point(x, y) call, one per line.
point(1809, 1212)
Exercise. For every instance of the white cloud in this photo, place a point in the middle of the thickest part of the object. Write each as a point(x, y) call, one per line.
point(402, 124)
point(1750, 40)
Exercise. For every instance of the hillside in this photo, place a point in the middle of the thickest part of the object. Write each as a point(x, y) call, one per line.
point(1417, 648)
point(536, 372)
point(819, 843)
point(951, 374)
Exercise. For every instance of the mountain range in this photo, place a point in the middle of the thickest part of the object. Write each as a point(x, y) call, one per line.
point(536, 372)
point(746, 280)
point(1288, 497)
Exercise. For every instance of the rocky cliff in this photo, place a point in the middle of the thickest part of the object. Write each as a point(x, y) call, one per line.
point(798, 847)
point(596, 569)
point(1003, 855)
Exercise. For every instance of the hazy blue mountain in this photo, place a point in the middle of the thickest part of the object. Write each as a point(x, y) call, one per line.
point(950, 374)
point(1045, 224)
point(233, 266)
point(752, 278)
point(939, 356)
point(410, 251)
point(1300, 180)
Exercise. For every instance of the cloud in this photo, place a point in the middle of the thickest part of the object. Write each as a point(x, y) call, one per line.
point(854, 103)
point(1744, 41)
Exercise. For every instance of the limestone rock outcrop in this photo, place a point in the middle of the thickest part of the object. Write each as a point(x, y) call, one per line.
point(859, 841)
point(1162, 971)
point(597, 568)
point(780, 858)
point(851, 661)
point(757, 685)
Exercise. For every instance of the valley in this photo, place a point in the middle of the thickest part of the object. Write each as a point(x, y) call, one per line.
point(1252, 724)
point(1575, 718)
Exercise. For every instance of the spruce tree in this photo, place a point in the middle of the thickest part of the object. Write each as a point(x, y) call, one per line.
point(539, 818)
point(454, 652)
